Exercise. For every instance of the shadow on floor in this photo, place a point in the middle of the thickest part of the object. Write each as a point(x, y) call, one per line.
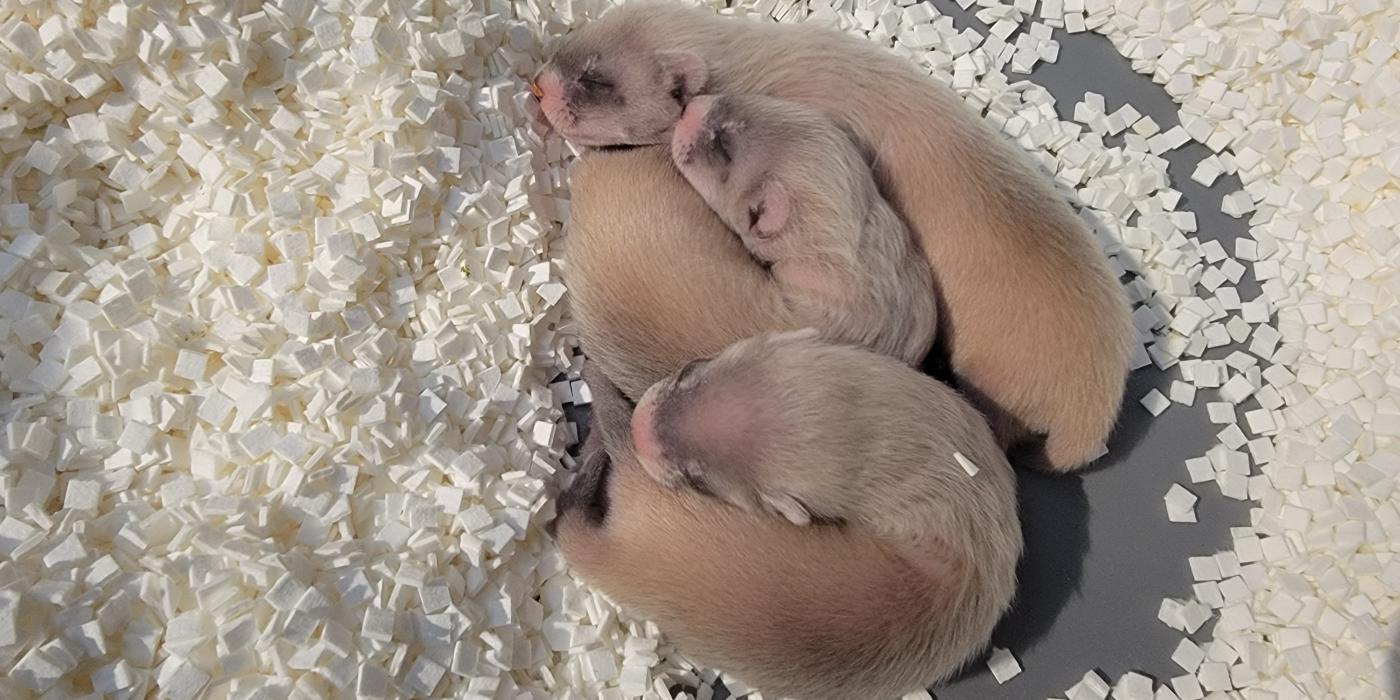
point(1055, 524)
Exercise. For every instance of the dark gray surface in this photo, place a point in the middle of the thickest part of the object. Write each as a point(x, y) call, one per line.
point(1101, 554)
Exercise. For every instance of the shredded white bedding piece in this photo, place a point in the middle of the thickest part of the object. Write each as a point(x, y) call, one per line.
point(278, 308)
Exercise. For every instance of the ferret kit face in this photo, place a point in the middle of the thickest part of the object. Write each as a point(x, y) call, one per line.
point(706, 426)
point(692, 431)
point(603, 93)
point(756, 159)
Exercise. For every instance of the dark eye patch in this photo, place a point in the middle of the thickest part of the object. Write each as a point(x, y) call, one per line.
point(592, 80)
point(589, 490)
point(678, 90)
point(723, 145)
point(693, 479)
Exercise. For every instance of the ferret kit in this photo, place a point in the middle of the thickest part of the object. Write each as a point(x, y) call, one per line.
point(772, 228)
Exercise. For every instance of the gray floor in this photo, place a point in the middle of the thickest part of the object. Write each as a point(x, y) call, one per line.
point(1101, 554)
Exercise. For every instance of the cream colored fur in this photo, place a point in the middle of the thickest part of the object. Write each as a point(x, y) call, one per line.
point(656, 279)
point(835, 432)
point(1035, 324)
point(842, 255)
point(819, 612)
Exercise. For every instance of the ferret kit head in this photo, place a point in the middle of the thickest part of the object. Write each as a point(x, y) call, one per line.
point(800, 191)
point(707, 425)
point(767, 165)
point(612, 83)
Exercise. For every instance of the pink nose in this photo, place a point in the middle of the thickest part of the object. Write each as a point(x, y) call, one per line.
point(550, 92)
point(644, 430)
point(690, 126)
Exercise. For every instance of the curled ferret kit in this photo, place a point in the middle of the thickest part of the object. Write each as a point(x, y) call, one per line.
point(797, 435)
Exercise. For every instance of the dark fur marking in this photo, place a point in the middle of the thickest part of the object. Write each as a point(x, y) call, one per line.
point(696, 482)
point(827, 520)
point(678, 91)
point(611, 413)
point(567, 64)
point(765, 265)
point(589, 491)
point(689, 369)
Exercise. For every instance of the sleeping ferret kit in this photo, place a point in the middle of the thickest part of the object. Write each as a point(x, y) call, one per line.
point(290, 307)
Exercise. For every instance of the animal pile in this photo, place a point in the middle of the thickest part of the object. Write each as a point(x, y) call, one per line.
point(773, 229)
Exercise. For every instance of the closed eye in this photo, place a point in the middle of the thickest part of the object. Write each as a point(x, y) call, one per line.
point(593, 81)
point(722, 145)
point(693, 476)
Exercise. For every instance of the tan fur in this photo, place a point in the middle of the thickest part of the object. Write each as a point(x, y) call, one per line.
point(1034, 322)
point(817, 431)
point(815, 613)
point(656, 278)
point(800, 194)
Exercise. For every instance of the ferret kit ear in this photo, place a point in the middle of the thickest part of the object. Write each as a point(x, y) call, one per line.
point(768, 213)
point(684, 72)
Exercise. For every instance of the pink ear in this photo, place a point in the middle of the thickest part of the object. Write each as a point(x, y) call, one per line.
point(773, 208)
point(685, 73)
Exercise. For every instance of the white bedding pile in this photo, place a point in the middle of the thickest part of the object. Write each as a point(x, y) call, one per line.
point(278, 316)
